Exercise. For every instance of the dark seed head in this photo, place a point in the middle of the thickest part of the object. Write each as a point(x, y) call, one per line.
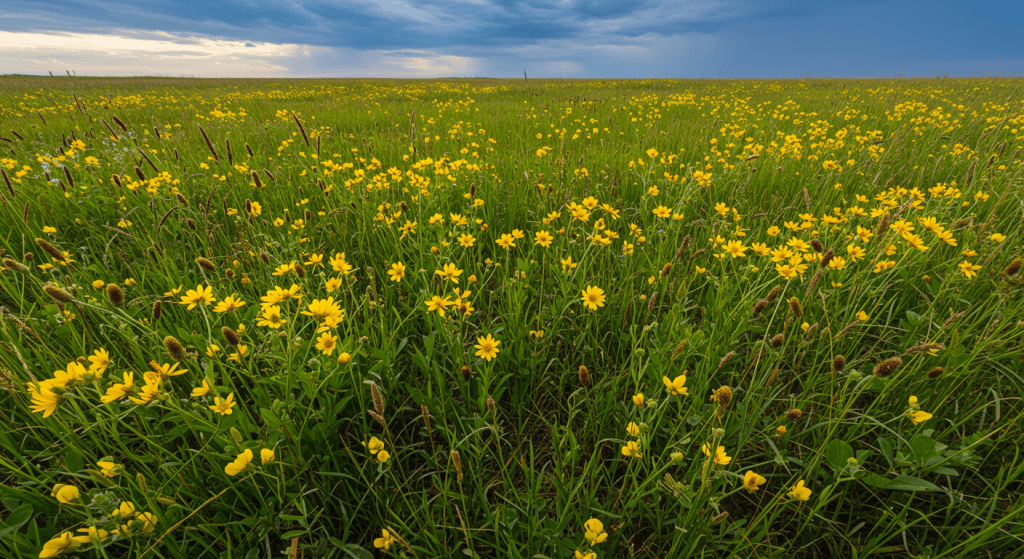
point(794, 305)
point(115, 295)
point(230, 335)
point(1013, 268)
point(57, 293)
point(838, 363)
point(50, 249)
point(760, 306)
point(174, 348)
point(584, 376)
point(794, 414)
point(887, 367)
point(206, 264)
point(935, 373)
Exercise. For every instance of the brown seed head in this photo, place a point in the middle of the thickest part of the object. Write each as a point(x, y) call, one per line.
point(935, 373)
point(157, 310)
point(723, 395)
point(12, 264)
point(584, 376)
point(377, 417)
point(795, 307)
point(206, 264)
point(378, 401)
point(115, 295)
point(174, 348)
point(826, 258)
point(299, 270)
point(466, 372)
point(759, 307)
point(817, 246)
point(777, 340)
point(665, 270)
point(229, 273)
point(680, 347)
point(773, 294)
point(725, 360)
point(425, 411)
point(794, 414)
point(264, 258)
point(887, 367)
point(457, 461)
point(838, 363)
point(50, 249)
point(57, 293)
point(230, 335)
point(1013, 268)
point(492, 407)
point(181, 199)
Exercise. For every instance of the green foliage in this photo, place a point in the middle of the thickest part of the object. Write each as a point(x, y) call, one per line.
point(526, 414)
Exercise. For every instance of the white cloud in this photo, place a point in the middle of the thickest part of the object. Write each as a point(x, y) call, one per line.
point(133, 52)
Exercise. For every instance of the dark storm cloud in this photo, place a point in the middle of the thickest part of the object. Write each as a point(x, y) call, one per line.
point(596, 38)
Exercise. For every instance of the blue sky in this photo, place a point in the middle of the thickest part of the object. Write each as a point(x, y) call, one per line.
point(501, 38)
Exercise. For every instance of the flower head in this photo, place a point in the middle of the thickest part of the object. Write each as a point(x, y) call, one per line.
point(199, 295)
point(593, 297)
point(240, 464)
point(799, 492)
point(751, 481)
point(595, 533)
point(676, 387)
point(487, 347)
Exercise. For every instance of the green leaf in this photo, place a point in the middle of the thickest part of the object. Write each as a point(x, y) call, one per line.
point(354, 550)
point(16, 520)
point(74, 461)
point(292, 534)
point(922, 447)
point(888, 449)
point(901, 482)
point(837, 453)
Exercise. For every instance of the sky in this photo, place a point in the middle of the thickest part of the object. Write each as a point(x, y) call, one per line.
point(505, 38)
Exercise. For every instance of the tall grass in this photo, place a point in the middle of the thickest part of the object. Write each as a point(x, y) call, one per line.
point(739, 319)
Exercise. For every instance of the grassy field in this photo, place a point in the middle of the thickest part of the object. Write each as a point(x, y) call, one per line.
point(529, 319)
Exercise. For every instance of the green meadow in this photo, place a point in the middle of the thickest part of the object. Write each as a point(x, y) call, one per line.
point(511, 318)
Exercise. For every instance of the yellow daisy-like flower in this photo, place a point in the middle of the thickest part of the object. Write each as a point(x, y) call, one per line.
point(271, 317)
point(228, 304)
point(224, 407)
point(199, 295)
point(593, 297)
point(327, 343)
point(487, 348)
point(397, 272)
point(438, 304)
